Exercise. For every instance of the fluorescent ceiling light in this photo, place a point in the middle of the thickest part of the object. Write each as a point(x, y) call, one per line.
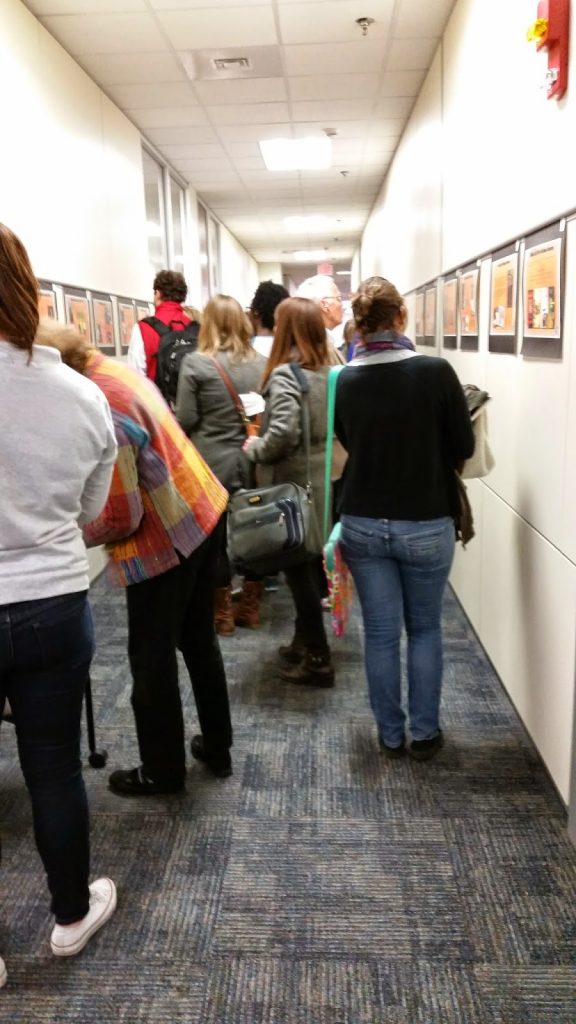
point(314, 222)
point(343, 273)
point(309, 255)
point(296, 154)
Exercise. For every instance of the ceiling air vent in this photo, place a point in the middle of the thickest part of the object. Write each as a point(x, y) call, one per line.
point(231, 64)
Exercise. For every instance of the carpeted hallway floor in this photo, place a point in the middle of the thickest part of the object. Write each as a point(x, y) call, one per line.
point(320, 884)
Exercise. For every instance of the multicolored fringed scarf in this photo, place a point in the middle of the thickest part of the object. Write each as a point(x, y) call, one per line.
point(381, 341)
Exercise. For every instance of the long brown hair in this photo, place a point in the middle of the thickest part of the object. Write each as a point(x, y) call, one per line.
point(225, 328)
point(300, 334)
point(18, 292)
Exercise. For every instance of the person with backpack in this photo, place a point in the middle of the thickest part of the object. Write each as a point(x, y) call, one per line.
point(160, 342)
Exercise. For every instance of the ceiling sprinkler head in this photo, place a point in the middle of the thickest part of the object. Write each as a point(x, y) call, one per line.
point(364, 24)
point(330, 132)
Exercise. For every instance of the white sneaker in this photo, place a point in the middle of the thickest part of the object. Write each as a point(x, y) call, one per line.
point(3, 973)
point(67, 940)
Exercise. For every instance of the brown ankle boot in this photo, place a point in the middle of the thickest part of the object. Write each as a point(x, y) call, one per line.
point(247, 611)
point(314, 670)
point(223, 615)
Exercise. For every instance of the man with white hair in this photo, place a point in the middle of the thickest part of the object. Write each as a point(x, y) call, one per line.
point(324, 291)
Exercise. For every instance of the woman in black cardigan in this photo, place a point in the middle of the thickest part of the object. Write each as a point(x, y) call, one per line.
point(404, 421)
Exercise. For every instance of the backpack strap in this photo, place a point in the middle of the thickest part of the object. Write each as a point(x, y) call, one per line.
point(156, 325)
point(332, 379)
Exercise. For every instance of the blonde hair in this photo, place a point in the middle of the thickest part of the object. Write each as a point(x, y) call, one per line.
point(226, 328)
point(193, 313)
point(377, 305)
point(74, 349)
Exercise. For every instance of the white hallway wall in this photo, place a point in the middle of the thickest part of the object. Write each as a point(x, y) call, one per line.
point(71, 185)
point(485, 158)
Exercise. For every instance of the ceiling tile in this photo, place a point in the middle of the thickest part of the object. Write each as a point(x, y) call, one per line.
point(159, 117)
point(249, 114)
point(336, 110)
point(201, 29)
point(394, 106)
point(236, 149)
point(242, 90)
point(320, 23)
point(194, 152)
point(423, 19)
point(46, 7)
point(156, 94)
point(106, 33)
point(253, 133)
point(401, 83)
point(411, 54)
point(130, 68)
point(362, 57)
point(181, 134)
point(333, 87)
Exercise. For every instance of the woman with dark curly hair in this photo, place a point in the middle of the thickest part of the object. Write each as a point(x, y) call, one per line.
point(404, 422)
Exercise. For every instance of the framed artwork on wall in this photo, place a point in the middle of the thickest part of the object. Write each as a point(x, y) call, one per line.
point(449, 312)
point(77, 309)
point(47, 306)
point(104, 336)
point(543, 292)
point(142, 310)
point(503, 300)
point(468, 308)
point(126, 320)
point(419, 318)
point(430, 316)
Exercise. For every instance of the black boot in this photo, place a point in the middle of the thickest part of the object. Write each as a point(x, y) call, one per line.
point(313, 670)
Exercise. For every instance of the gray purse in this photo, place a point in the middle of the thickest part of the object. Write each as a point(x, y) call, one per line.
point(269, 527)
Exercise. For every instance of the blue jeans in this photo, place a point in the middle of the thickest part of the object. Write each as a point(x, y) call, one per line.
point(45, 652)
point(400, 569)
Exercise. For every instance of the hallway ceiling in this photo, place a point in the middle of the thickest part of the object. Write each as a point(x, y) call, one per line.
point(308, 70)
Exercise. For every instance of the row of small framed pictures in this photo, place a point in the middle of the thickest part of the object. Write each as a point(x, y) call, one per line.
point(106, 321)
point(538, 263)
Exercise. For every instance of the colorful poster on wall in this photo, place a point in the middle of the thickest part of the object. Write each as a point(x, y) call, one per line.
point(419, 318)
point(430, 316)
point(468, 308)
point(78, 312)
point(449, 312)
point(542, 291)
point(503, 301)
point(103, 323)
point(127, 319)
point(142, 310)
point(47, 301)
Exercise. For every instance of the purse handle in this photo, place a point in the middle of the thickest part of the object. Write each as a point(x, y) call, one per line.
point(233, 394)
point(331, 406)
point(304, 386)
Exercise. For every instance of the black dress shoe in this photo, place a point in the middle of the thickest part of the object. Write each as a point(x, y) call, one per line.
point(133, 782)
point(423, 750)
point(219, 764)
point(392, 753)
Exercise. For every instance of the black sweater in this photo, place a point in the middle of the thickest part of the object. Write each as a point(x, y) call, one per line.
point(405, 426)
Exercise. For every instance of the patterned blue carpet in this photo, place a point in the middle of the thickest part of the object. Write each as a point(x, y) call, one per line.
point(320, 884)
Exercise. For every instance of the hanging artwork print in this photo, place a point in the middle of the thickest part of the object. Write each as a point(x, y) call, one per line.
point(127, 319)
point(47, 301)
point(419, 318)
point(468, 308)
point(542, 291)
point(78, 311)
point(503, 293)
point(103, 323)
point(449, 312)
point(430, 316)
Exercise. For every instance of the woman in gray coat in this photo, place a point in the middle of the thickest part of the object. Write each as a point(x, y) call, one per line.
point(206, 412)
point(300, 337)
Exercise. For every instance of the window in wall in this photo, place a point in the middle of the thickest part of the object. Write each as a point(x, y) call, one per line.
point(155, 219)
point(203, 251)
point(177, 210)
point(214, 254)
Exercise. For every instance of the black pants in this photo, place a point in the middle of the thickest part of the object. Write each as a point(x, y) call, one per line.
point(303, 581)
point(170, 611)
